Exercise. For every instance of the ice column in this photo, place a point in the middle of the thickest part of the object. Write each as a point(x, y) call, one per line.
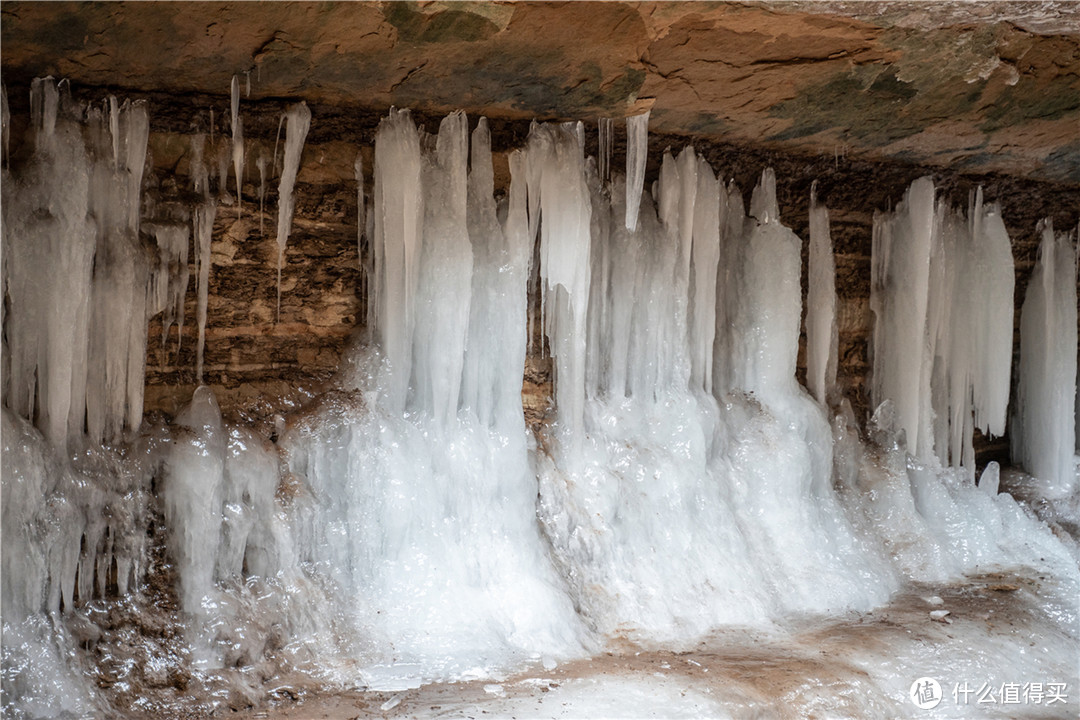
point(821, 331)
point(1043, 430)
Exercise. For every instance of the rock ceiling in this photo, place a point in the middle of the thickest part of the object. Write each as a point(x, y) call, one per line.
point(980, 87)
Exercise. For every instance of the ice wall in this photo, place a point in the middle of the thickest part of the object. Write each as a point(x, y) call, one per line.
point(1043, 430)
point(425, 517)
point(407, 526)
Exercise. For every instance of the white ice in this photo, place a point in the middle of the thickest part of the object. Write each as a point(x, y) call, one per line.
point(1043, 431)
point(299, 122)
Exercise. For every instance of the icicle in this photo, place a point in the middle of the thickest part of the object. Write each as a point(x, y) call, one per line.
point(261, 163)
point(238, 143)
point(821, 330)
point(637, 148)
point(1043, 431)
point(358, 170)
point(223, 156)
point(197, 170)
point(5, 125)
point(606, 130)
point(993, 321)
point(114, 129)
point(705, 261)
point(763, 204)
point(170, 280)
point(204, 234)
point(299, 121)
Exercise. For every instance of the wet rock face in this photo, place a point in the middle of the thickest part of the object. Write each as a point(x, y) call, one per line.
point(984, 87)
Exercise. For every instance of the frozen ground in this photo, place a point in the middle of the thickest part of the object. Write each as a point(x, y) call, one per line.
point(999, 639)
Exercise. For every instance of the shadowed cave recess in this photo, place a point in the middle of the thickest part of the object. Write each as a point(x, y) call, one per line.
point(660, 360)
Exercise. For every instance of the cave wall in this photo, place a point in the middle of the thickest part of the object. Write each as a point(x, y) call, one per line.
point(861, 100)
point(261, 365)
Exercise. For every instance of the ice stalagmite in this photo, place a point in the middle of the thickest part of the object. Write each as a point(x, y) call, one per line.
point(299, 121)
point(192, 496)
point(237, 144)
point(637, 147)
point(900, 280)
point(821, 330)
point(1043, 431)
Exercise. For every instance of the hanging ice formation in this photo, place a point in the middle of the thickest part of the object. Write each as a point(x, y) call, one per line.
point(637, 146)
point(426, 470)
point(407, 527)
point(821, 330)
point(237, 142)
point(1043, 429)
point(942, 284)
point(75, 273)
point(299, 120)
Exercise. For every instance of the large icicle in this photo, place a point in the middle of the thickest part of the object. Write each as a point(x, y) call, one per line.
point(821, 330)
point(399, 216)
point(446, 268)
point(705, 260)
point(993, 321)
point(238, 144)
point(1043, 431)
point(203, 221)
point(605, 140)
point(564, 263)
point(637, 148)
point(299, 121)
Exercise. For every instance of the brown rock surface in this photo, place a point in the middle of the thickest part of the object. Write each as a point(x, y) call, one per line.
point(986, 86)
